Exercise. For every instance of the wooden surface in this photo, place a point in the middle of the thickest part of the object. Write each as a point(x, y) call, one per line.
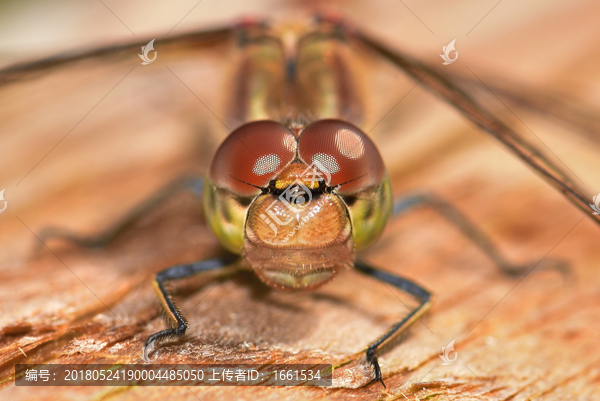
point(533, 338)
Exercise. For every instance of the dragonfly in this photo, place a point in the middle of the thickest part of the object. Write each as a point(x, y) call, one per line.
point(298, 188)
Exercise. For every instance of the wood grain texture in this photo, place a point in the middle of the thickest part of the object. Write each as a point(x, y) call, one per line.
point(531, 338)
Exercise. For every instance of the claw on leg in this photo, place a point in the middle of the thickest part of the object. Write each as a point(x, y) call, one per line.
point(372, 360)
point(148, 348)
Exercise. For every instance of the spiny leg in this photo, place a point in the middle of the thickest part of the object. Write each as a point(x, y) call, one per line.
point(407, 286)
point(193, 184)
point(179, 323)
point(472, 232)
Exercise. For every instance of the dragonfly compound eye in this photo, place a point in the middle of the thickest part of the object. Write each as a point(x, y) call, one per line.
point(251, 156)
point(356, 168)
point(343, 151)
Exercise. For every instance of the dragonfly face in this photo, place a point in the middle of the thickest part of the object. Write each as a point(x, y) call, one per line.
point(297, 201)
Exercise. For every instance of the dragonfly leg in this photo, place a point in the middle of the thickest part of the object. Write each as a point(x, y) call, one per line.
point(472, 232)
point(179, 322)
point(403, 284)
point(193, 184)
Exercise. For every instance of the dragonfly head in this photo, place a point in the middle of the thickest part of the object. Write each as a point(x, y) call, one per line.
point(297, 207)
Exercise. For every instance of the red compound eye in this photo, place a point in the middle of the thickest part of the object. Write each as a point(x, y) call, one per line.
point(251, 156)
point(345, 152)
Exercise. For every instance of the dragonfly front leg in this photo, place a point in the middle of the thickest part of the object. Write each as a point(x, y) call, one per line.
point(179, 322)
point(403, 284)
point(186, 183)
point(473, 233)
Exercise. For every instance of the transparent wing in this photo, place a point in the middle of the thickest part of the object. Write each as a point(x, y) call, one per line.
point(102, 111)
point(545, 145)
point(578, 115)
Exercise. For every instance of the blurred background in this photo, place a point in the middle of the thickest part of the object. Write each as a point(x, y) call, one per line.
point(534, 40)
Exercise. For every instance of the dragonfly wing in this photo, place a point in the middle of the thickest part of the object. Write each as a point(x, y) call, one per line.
point(471, 108)
point(578, 114)
point(192, 42)
point(102, 110)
